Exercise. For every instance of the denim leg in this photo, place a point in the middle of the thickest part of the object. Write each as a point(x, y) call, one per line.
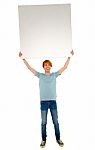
point(43, 124)
point(55, 122)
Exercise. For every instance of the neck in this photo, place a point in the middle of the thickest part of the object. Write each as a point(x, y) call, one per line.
point(47, 73)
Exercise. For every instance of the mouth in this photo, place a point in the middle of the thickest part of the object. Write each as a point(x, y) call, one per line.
point(47, 68)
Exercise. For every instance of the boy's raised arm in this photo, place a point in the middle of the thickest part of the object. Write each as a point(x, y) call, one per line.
point(27, 64)
point(66, 63)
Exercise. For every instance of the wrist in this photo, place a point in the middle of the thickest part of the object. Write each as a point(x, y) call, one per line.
point(69, 55)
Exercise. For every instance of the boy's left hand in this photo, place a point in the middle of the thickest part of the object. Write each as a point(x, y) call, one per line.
point(72, 52)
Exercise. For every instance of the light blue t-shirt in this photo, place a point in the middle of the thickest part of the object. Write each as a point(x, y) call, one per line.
point(47, 85)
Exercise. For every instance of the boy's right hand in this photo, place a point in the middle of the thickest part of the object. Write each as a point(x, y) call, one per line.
point(20, 54)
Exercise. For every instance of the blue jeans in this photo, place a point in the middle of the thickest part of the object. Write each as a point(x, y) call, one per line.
point(45, 105)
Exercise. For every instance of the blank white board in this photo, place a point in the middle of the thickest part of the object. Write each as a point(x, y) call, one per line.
point(45, 30)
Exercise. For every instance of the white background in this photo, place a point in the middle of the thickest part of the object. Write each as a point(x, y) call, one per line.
point(19, 91)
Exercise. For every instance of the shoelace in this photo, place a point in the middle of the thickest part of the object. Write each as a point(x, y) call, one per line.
point(60, 141)
point(43, 142)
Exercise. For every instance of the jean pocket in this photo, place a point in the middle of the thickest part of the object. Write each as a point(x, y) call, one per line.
point(44, 105)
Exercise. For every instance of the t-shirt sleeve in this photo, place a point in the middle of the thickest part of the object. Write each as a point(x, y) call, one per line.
point(57, 74)
point(38, 74)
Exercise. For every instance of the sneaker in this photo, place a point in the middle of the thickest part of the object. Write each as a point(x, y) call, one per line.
point(43, 143)
point(60, 143)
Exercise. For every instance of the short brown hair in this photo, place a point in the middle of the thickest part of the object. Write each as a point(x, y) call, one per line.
point(47, 61)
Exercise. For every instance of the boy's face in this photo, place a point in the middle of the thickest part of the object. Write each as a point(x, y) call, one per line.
point(47, 67)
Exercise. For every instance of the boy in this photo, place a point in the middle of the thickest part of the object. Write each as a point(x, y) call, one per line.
point(48, 95)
